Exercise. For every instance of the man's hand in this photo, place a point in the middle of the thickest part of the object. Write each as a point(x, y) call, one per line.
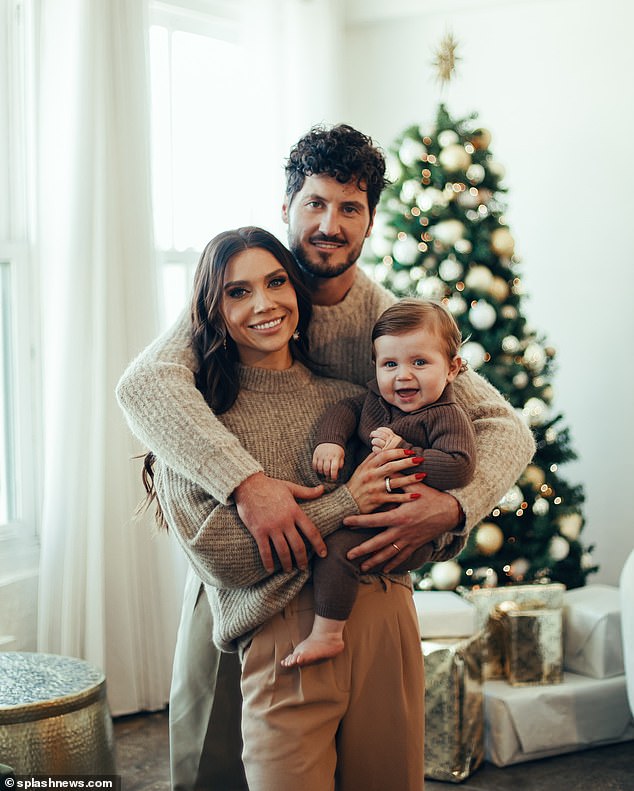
point(407, 527)
point(270, 512)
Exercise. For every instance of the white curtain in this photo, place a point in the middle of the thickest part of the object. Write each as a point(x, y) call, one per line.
point(110, 591)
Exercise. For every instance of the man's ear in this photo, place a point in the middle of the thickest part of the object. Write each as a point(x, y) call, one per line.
point(285, 206)
point(370, 226)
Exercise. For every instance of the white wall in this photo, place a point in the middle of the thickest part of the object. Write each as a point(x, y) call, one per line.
point(552, 82)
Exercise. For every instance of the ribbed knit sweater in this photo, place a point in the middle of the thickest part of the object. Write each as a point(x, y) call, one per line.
point(274, 417)
point(170, 417)
point(441, 433)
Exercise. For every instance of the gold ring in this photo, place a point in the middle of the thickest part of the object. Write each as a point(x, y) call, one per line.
point(398, 549)
point(388, 488)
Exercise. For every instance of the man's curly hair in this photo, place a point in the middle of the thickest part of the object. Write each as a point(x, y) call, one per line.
point(342, 153)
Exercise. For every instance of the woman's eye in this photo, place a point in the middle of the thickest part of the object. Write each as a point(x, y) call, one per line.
point(278, 281)
point(236, 293)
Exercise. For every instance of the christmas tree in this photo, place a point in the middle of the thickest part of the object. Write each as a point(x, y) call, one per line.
point(441, 234)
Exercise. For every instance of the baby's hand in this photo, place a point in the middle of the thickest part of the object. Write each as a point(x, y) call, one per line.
point(384, 439)
point(328, 459)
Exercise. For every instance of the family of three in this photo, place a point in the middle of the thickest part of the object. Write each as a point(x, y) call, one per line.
point(312, 439)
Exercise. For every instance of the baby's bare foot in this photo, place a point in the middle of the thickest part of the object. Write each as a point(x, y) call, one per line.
point(314, 649)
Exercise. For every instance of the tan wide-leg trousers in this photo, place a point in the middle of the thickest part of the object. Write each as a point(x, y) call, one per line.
point(354, 722)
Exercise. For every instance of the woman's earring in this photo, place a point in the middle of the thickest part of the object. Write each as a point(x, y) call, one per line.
point(296, 335)
point(224, 343)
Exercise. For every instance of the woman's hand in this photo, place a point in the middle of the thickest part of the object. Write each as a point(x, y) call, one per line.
point(381, 472)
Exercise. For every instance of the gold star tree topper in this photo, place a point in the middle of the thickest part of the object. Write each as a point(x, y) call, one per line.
point(446, 58)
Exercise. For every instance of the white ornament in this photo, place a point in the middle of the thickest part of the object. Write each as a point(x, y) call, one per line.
point(502, 242)
point(482, 315)
point(586, 561)
point(570, 526)
point(431, 288)
point(454, 158)
point(380, 273)
point(426, 199)
point(450, 269)
point(380, 245)
point(520, 380)
point(534, 357)
point(463, 246)
point(406, 250)
point(510, 344)
point(479, 277)
point(410, 190)
point(496, 169)
point(485, 577)
point(456, 305)
point(541, 506)
point(447, 138)
point(489, 538)
point(446, 575)
point(512, 499)
point(472, 353)
point(535, 412)
point(475, 173)
point(401, 280)
point(519, 568)
point(558, 548)
point(393, 169)
point(411, 151)
point(447, 232)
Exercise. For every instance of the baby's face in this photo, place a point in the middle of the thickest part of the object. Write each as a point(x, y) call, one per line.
point(412, 369)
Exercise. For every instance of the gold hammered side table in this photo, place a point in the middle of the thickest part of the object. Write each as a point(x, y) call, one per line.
point(54, 717)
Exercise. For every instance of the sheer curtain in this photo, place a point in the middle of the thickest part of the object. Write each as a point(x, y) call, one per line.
point(110, 591)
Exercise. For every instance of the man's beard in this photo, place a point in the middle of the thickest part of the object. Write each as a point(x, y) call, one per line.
point(319, 264)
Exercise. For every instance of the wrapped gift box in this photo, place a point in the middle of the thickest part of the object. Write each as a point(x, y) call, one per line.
point(527, 723)
point(592, 631)
point(444, 614)
point(550, 596)
point(531, 643)
point(454, 713)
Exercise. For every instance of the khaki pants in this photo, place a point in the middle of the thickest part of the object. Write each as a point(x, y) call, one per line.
point(350, 723)
point(205, 704)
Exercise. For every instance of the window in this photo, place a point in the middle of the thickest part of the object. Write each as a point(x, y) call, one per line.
point(19, 383)
point(199, 132)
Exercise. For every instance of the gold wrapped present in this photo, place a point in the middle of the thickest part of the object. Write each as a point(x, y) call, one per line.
point(454, 708)
point(549, 596)
point(531, 643)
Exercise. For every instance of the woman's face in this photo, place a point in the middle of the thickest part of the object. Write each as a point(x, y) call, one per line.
point(259, 307)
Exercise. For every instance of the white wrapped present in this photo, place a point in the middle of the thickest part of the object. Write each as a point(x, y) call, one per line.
point(592, 631)
point(444, 614)
point(527, 723)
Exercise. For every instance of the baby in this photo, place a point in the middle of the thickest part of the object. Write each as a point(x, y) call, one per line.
point(410, 404)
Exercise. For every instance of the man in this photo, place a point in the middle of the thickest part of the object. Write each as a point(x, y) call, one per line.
point(334, 181)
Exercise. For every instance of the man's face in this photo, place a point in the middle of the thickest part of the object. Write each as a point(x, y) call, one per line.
point(327, 225)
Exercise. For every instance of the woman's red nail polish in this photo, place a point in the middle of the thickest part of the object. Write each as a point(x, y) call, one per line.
point(414, 496)
point(409, 452)
point(420, 475)
point(417, 460)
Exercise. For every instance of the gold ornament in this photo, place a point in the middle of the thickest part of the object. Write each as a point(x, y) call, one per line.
point(489, 538)
point(481, 138)
point(446, 58)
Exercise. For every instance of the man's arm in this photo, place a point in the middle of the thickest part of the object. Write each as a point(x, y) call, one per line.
point(504, 446)
point(171, 418)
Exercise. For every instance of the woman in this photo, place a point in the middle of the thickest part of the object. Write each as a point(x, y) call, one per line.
point(358, 717)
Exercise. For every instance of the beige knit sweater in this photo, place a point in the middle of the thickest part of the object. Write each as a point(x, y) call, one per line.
point(169, 415)
point(274, 417)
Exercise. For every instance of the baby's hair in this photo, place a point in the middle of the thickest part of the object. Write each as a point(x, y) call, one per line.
point(412, 314)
